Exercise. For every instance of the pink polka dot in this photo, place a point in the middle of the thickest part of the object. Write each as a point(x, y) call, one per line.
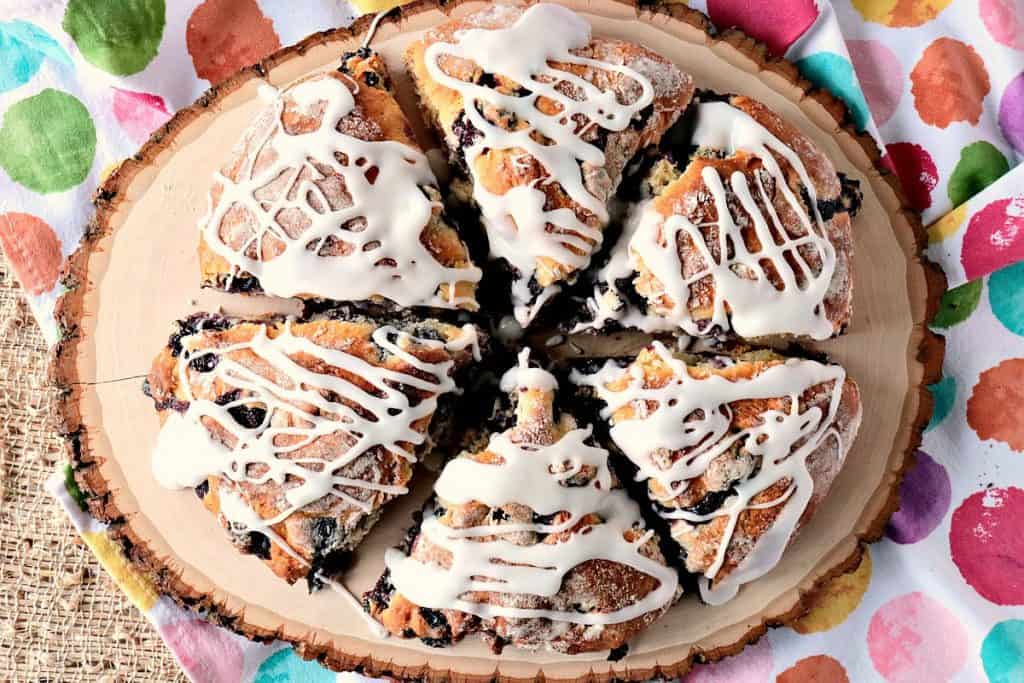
point(753, 665)
point(880, 75)
point(987, 545)
point(207, 654)
point(917, 172)
point(1004, 20)
point(139, 113)
point(913, 638)
point(778, 23)
point(994, 237)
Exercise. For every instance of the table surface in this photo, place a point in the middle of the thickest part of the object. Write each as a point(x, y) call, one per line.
point(61, 618)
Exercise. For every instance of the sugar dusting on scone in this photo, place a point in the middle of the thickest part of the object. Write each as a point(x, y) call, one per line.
point(737, 453)
point(297, 433)
point(544, 118)
point(746, 232)
point(308, 206)
point(530, 541)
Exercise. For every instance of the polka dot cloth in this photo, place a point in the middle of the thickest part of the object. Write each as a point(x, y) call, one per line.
point(938, 83)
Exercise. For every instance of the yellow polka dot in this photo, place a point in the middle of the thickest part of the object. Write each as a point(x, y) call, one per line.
point(368, 6)
point(107, 170)
point(947, 225)
point(136, 586)
point(900, 13)
point(837, 599)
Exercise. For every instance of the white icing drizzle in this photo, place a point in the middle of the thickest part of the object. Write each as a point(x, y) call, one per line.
point(745, 300)
point(186, 454)
point(370, 32)
point(693, 415)
point(517, 222)
point(386, 258)
point(530, 475)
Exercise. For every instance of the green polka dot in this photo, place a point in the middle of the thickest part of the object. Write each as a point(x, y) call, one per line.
point(1002, 652)
point(47, 142)
point(980, 165)
point(1006, 296)
point(119, 36)
point(958, 304)
point(944, 394)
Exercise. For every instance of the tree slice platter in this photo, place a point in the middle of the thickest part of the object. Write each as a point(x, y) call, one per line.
point(137, 272)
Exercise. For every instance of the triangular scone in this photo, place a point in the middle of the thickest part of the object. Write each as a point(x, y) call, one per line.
point(529, 541)
point(737, 452)
point(544, 118)
point(327, 196)
point(746, 231)
point(298, 433)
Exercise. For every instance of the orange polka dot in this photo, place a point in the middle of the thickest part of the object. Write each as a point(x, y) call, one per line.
point(33, 250)
point(996, 407)
point(837, 599)
point(816, 669)
point(225, 35)
point(949, 83)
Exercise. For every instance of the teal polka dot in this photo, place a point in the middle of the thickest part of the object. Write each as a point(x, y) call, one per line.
point(835, 73)
point(1006, 296)
point(1002, 652)
point(284, 666)
point(944, 394)
point(23, 47)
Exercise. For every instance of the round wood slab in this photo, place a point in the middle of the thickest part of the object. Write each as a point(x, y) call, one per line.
point(137, 272)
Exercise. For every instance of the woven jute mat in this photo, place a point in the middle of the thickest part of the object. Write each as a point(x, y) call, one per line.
point(61, 617)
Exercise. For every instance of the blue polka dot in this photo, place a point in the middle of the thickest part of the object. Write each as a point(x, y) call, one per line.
point(944, 394)
point(1002, 652)
point(23, 46)
point(1006, 295)
point(284, 666)
point(835, 73)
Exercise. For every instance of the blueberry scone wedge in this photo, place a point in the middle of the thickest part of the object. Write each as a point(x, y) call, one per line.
point(529, 541)
point(743, 229)
point(328, 196)
point(297, 433)
point(542, 118)
point(736, 452)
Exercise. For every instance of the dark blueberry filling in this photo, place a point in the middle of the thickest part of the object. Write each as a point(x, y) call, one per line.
point(249, 417)
point(544, 519)
point(436, 642)
point(618, 653)
point(465, 132)
point(711, 501)
point(325, 566)
point(259, 545)
point(323, 533)
point(243, 284)
point(203, 489)
point(434, 618)
point(498, 515)
point(642, 117)
point(227, 398)
point(487, 80)
point(205, 362)
point(371, 79)
point(192, 325)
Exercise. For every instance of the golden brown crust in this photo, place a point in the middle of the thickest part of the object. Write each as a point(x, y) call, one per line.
point(688, 196)
point(324, 531)
point(376, 117)
point(499, 170)
point(596, 585)
point(107, 502)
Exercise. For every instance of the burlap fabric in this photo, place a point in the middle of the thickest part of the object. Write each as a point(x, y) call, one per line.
point(61, 618)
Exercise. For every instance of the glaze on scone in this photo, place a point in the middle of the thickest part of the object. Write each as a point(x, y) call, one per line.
point(327, 196)
point(530, 541)
point(737, 453)
point(746, 231)
point(297, 433)
point(543, 118)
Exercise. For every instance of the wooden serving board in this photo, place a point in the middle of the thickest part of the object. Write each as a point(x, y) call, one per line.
point(138, 272)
